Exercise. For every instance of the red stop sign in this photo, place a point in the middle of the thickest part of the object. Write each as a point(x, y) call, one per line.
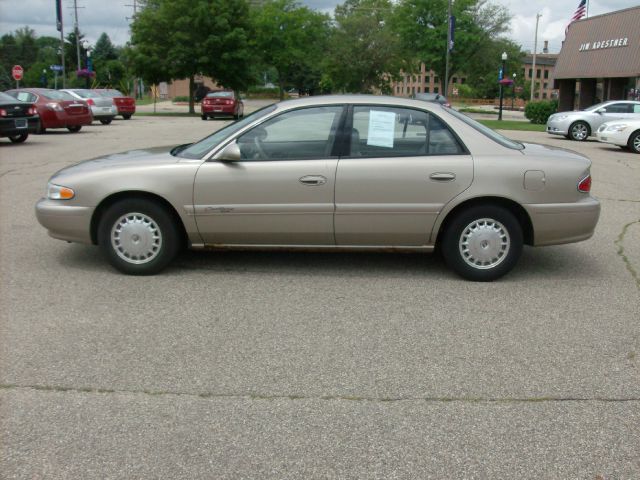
point(17, 72)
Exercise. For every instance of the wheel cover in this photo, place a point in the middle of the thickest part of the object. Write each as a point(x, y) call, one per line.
point(636, 143)
point(579, 131)
point(484, 243)
point(136, 238)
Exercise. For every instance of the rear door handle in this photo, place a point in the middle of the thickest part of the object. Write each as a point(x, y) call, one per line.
point(313, 180)
point(442, 177)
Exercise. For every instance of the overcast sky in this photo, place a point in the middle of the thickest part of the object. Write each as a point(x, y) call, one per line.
point(110, 16)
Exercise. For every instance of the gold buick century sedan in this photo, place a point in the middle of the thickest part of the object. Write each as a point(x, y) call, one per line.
point(336, 172)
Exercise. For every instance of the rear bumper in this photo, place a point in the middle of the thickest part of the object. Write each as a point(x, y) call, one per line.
point(103, 112)
point(218, 110)
point(8, 126)
point(558, 223)
point(65, 222)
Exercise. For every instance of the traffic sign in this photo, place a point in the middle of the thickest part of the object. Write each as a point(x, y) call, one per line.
point(55, 68)
point(17, 72)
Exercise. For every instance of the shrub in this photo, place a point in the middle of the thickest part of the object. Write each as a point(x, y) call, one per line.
point(181, 99)
point(539, 112)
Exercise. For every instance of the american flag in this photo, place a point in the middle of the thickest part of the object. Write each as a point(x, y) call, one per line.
point(579, 13)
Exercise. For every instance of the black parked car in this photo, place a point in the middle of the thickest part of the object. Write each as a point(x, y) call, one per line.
point(17, 119)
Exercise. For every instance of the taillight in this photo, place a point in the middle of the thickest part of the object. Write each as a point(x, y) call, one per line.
point(90, 101)
point(55, 107)
point(229, 102)
point(32, 111)
point(584, 185)
point(3, 112)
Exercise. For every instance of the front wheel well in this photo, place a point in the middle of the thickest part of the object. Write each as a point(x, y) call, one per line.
point(515, 208)
point(104, 205)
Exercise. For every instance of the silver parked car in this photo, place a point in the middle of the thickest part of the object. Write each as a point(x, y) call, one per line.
point(581, 124)
point(336, 172)
point(102, 107)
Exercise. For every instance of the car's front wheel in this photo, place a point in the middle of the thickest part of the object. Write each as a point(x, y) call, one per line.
point(579, 131)
point(126, 116)
point(19, 138)
point(203, 117)
point(634, 142)
point(138, 236)
point(74, 128)
point(482, 243)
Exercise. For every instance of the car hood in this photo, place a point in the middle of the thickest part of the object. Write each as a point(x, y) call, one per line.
point(134, 158)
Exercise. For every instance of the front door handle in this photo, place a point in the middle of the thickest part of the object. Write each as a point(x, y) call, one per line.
point(443, 177)
point(313, 180)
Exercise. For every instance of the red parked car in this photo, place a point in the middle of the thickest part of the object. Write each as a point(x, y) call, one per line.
point(126, 105)
point(56, 109)
point(222, 103)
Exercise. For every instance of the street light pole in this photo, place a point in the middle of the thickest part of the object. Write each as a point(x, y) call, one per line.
point(504, 59)
point(513, 90)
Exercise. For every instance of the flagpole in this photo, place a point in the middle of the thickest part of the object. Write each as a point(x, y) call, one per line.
point(587, 15)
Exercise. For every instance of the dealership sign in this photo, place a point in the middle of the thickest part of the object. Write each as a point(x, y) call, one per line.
point(612, 43)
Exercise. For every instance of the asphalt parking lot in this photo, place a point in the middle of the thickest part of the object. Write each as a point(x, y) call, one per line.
point(314, 365)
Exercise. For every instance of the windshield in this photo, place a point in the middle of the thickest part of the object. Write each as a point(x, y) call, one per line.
point(201, 148)
point(7, 98)
point(56, 95)
point(492, 134)
point(595, 107)
point(87, 94)
point(220, 94)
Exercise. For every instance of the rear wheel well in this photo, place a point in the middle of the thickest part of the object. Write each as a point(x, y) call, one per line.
point(516, 209)
point(116, 197)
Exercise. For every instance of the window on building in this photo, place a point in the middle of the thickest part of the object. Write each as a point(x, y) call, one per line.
point(426, 89)
point(546, 74)
point(462, 80)
point(436, 89)
point(544, 95)
point(454, 80)
point(538, 73)
point(531, 73)
point(545, 85)
point(418, 89)
point(436, 80)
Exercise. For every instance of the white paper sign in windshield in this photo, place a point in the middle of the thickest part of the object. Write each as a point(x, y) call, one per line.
point(381, 129)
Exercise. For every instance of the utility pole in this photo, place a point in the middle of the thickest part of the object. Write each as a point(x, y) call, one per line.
point(535, 51)
point(446, 70)
point(77, 30)
point(136, 82)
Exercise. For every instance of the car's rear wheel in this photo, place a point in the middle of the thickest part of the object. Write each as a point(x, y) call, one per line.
point(19, 138)
point(634, 142)
point(579, 131)
point(41, 129)
point(138, 236)
point(106, 121)
point(74, 128)
point(203, 117)
point(482, 243)
point(126, 116)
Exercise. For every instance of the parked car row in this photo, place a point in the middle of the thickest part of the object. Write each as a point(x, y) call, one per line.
point(616, 122)
point(34, 110)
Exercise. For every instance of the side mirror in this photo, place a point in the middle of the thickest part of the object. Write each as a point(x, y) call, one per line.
point(230, 153)
point(600, 111)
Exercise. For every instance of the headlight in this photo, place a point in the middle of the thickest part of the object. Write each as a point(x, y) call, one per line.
point(58, 192)
point(561, 117)
point(618, 127)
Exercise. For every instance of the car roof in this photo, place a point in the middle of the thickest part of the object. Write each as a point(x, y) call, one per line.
point(383, 100)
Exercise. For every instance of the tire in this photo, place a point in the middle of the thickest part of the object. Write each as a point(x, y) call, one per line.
point(634, 142)
point(482, 243)
point(75, 128)
point(106, 121)
point(138, 236)
point(126, 116)
point(579, 131)
point(203, 117)
point(19, 138)
point(41, 130)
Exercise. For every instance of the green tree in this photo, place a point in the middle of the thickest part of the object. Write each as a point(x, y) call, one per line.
point(104, 50)
point(482, 69)
point(174, 39)
point(292, 39)
point(27, 50)
point(422, 26)
point(363, 48)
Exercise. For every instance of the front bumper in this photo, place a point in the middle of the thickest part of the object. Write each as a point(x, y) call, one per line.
point(65, 222)
point(558, 223)
point(615, 138)
point(558, 127)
